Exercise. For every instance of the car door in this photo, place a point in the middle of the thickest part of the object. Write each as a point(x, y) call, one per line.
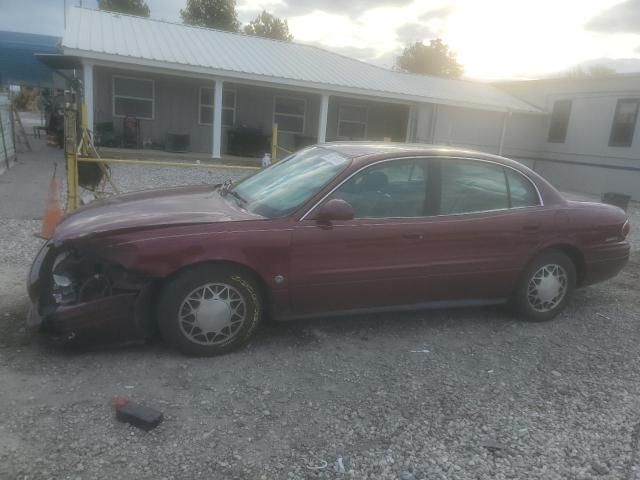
point(482, 235)
point(375, 260)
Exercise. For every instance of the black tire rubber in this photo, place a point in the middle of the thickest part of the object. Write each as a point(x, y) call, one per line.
point(520, 300)
point(185, 282)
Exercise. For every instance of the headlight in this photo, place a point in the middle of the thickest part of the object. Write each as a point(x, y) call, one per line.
point(59, 278)
point(61, 281)
point(63, 289)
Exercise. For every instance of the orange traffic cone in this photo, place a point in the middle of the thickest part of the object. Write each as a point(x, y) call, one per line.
point(53, 211)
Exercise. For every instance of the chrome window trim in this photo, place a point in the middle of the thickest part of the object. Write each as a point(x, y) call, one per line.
point(429, 157)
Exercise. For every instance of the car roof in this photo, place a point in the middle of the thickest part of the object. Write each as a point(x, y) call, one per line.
point(381, 150)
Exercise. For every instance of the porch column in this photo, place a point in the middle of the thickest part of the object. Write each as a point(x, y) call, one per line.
point(504, 131)
point(434, 124)
point(411, 120)
point(322, 121)
point(87, 87)
point(217, 119)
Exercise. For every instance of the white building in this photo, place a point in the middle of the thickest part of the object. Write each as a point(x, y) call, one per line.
point(213, 87)
point(590, 140)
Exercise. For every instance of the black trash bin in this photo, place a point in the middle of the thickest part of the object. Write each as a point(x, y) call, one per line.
point(177, 142)
point(617, 199)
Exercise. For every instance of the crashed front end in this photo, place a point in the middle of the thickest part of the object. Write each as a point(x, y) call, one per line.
point(79, 296)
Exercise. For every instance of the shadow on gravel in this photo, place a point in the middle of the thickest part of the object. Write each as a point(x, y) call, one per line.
point(292, 334)
point(299, 333)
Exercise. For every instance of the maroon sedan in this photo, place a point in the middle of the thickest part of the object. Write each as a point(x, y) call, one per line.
point(336, 228)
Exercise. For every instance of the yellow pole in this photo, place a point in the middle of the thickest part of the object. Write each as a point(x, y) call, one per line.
point(274, 143)
point(72, 181)
point(83, 129)
point(72, 160)
point(83, 116)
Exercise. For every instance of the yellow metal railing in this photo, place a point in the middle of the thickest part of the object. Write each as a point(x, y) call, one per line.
point(83, 150)
point(161, 163)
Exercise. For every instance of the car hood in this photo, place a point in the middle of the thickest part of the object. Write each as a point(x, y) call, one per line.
point(152, 208)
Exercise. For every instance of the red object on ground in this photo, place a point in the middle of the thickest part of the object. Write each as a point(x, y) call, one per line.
point(119, 402)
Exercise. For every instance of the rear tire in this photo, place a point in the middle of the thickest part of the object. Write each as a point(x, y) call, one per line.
point(546, 287)
point(209, 310)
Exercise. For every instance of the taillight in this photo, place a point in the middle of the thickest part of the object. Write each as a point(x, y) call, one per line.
point(626, 228)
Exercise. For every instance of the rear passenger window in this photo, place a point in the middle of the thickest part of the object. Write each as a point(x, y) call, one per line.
point(523, 193)
point(469, 186)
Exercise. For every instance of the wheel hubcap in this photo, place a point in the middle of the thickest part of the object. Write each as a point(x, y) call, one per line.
point(212, 314)
point(547, 288)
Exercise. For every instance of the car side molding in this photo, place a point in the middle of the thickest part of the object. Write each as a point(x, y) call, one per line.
point(435, 305)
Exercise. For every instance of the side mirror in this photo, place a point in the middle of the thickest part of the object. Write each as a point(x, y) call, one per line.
point(335, 209)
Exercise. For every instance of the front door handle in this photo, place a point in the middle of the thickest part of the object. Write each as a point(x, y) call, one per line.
point(532, 227)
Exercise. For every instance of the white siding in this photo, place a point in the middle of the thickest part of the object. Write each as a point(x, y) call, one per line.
point(584, 162)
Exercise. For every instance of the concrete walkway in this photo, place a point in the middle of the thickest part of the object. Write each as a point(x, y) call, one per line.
point(23, 189)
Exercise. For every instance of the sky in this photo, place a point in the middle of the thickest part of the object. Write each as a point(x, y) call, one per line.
point(493, 39)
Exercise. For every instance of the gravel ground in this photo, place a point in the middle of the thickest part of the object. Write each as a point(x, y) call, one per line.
point(452, 394)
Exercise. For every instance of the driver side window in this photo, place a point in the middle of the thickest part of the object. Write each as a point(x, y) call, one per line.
point(390, 189)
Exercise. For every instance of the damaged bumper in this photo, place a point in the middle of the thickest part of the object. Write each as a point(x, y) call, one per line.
point(106, 320)
point(112, 309)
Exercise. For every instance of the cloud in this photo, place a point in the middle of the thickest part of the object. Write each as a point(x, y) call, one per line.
point(429, 25)
point(414, 32)
point(19, 17)
point(621, 18)
point(350, 8)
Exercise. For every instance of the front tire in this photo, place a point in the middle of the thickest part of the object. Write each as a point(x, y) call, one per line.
point(209, 310)
point(546, 287)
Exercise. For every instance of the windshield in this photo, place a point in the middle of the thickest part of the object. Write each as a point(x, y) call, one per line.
point(285, 185)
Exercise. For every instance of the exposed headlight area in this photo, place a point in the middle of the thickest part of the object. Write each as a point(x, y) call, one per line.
point(63, 291)
point(76, 279)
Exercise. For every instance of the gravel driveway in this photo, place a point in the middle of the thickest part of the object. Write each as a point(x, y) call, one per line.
point(452, 394)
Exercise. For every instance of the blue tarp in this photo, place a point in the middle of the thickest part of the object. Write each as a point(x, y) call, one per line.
point(18, 66)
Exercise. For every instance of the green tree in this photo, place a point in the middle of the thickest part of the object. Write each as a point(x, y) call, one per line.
point(132, 7)
point(220, 14)
point(433, 59)
point(268, 26)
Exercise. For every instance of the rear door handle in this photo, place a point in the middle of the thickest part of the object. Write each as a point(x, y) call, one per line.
point(532, 228)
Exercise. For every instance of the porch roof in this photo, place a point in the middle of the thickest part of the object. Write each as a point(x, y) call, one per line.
point(127, 39)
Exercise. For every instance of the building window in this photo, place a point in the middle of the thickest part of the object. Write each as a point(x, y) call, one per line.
point(288, 113)
point(559, 121)
point(133, 97)
point(352, 122)
point(624, 123)
point(205, 110)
